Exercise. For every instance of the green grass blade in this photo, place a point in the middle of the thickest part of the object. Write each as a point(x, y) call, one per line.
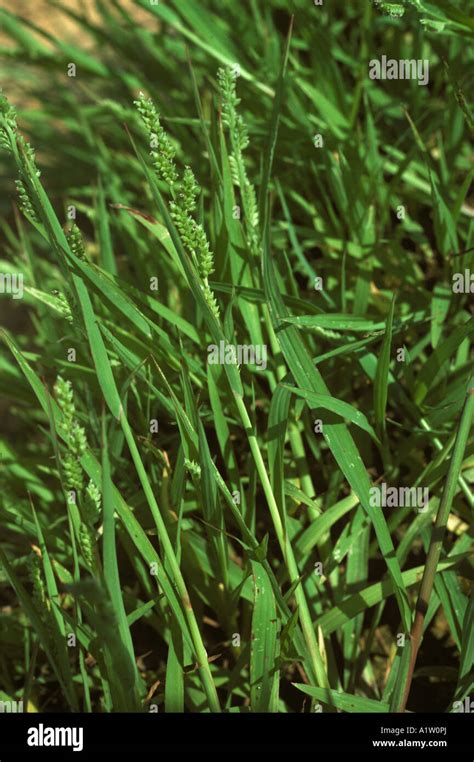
point(264, 675)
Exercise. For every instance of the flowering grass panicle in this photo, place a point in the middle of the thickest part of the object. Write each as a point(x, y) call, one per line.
point(25, 202)
point(227, 79)
point(75, 436)
point(87, 544)
point(162, 150)
point(14, 140)
point(194, 239)
point(92, 503)
point(192, 233)
point(35, 574)
point(75, 241)
point(63, 305)
point(188, 191)
point(7, 118)
point(239, 140)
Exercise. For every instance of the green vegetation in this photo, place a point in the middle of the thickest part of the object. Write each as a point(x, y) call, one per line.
point(180, 534)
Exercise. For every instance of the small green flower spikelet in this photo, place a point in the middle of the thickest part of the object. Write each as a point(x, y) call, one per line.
point(162, 150)
point(193, 468)
point(393, 9)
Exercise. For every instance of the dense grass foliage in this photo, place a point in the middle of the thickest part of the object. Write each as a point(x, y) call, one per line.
point(236, 391)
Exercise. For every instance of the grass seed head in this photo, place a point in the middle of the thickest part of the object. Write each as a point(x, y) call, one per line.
point(65, 397)
point(189, 191)
point(227, 79)
point(162, 150)
point(26, 204)
point(76, 244)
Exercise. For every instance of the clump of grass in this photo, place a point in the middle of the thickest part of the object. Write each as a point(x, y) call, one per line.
point(219, 517)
